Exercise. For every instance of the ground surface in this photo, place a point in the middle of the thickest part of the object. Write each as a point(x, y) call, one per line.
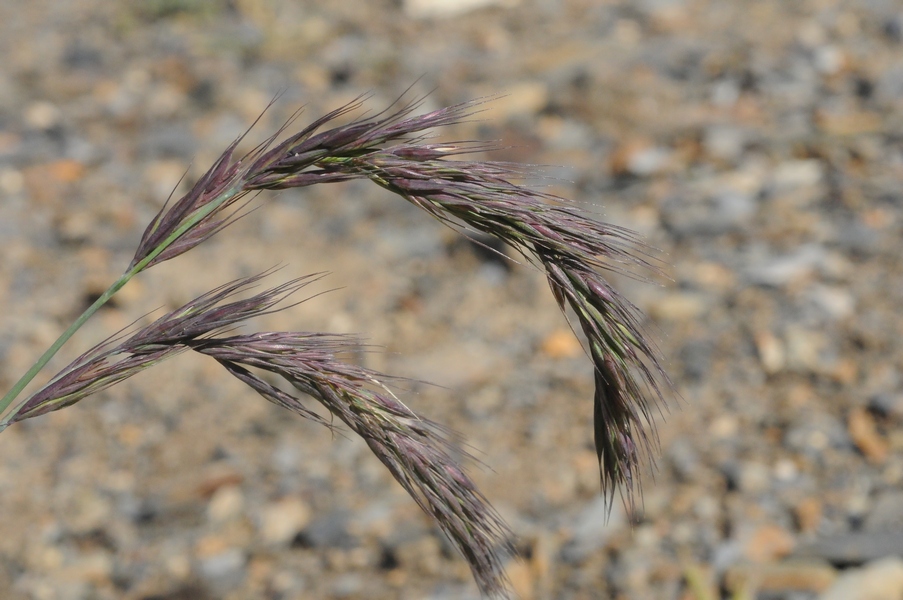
point(758, 144)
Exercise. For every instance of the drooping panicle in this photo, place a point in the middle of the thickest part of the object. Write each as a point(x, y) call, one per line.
point(411, 447)
point(415, 450)
point(574, 250)
point(622, 423)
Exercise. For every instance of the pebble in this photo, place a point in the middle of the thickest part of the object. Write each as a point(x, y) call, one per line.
point(835, 303)
point(809, 514)
point(886, 514)
point(768, 543)
point(803, 349)
point(781, 579)
point(818, 432)
point(444, 9)
point(224, 569)
point(864, 434)
point(724, 142)
point(678, 307)
point(783, 270)
point(168, 143)
point(696, 357)
point(520, 101)
point(561, 343)
point(281, 521)
point(590, 529)
point(879, 580)
point(327, 531)
point(771, 352)
point(692, 214)
point(226, 504)
point(855, 548)
point(42, 115)
point(796, 174)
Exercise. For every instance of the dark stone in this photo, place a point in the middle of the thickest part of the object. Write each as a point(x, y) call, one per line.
point(855, 548)
point(330, 531)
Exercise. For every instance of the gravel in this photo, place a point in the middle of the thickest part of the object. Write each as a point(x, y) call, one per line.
point(756, 144)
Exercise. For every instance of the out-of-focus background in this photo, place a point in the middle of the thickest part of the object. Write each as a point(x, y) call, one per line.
point(758, 144)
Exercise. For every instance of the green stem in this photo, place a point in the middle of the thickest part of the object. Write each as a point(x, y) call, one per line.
point(104, 298)
point(52, 350)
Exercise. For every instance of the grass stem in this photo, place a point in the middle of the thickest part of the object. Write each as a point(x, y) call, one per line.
point(45, 358)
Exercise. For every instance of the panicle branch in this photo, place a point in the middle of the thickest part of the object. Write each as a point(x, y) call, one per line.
point(415, 450)
point(573, 250)
point(411, 447)
point(114, 360)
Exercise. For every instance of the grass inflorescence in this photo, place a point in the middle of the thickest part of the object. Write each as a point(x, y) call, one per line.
point(394, 151)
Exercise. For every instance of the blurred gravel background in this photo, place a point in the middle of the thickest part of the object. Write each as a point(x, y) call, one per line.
point(758, 144)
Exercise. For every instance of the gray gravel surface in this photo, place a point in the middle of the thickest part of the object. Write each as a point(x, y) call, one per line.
point(757, 144)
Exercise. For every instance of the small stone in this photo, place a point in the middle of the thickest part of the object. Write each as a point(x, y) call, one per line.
point(808, 515)
point(591, 529)
point(854, 548)
point(724, 142)
point(329, 531)
point(771, 352)
point(865, 436)
point(224, 568)
point(714, 276)
point(349, 585)
point(522, 100)
point(42, 115)
point(648, 161)
point(783, 270)
point(678, 307)
point(282, 521)
point(226, 504)
point(169, 142)
point(724, 427)
point(217, 479)
point(88, 511)
point(803, 349)
point(768, 543)
point(829, 59)
point(886, 514)
point(76, 227)
point(422, 555)
point(753, 477)
point(693, 212)
point(835, 302)
point(95, 568)
point(785, 470)
point(797, 173)
point(444, 9)
point(65, 170)
point(724, 93)
point(522, 581)
point(880, 580)
point(696, 359)
point(848, 123)
point(561, 343)
point(790, 576)
point(12, 181)
point(638, 157)
point(817, 432)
